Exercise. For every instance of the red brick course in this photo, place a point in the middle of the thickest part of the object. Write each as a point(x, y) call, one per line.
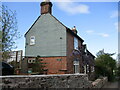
point(54, 65)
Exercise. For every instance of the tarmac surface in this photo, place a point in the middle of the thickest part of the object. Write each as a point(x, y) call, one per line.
point(115, 84)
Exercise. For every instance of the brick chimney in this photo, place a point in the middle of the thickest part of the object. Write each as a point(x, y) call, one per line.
point(46, 7)
point(74, 30)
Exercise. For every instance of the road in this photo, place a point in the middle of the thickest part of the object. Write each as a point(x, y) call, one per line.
point(115, 84)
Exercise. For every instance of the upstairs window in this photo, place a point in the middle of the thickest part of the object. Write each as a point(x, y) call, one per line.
point(32, 40)
point(75, 43)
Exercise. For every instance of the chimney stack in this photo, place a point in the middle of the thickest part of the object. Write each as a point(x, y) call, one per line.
point(46, 7)
point(46, 0)
point(74, 30)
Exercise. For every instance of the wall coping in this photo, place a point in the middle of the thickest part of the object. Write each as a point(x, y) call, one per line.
point(12, 76)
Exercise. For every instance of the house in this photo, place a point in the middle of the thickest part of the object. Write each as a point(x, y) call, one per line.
point(15, 56)
point(59, 46)
point(15, 59)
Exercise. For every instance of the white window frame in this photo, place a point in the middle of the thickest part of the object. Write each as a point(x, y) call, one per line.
point(87, 68)
point(31, 61)
point(32, 42)
point(76, 67)
point(93, 69)
point(75, 43)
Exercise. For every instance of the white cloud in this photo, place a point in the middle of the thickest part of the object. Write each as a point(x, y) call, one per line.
point(115, 14)
point(73, 8)
point(117, 26)
point(103, 34)
point(89, 31)
point(96, 33)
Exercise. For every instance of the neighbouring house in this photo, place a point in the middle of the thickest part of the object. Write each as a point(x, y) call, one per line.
point(60, 47)
point(15, 58)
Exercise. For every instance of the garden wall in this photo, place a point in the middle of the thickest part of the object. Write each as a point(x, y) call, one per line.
point(48, 81)
point(100, 82)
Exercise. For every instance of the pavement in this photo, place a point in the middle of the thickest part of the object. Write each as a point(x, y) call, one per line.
point(115, 84)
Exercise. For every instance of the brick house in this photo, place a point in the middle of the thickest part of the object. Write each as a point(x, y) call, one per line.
point(60, 47)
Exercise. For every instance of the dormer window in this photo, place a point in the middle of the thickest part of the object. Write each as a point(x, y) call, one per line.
point(32, 40)
point(75, 43)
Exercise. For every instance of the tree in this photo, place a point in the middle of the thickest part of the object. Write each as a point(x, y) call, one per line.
point(39, 65)
point(101, 52)
point(9, 31)
point(0, 44)
point(104, 65)
point(118, 71)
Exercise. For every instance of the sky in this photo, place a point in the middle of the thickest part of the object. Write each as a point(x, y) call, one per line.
point(96, 22)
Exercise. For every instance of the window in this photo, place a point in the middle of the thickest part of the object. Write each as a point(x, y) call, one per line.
point(85, 50)
point(88, 68)
point(75, 43)
point(85, 69)
point(92, 69)
point(31, 61)
point(32, 40)
point(76, 66)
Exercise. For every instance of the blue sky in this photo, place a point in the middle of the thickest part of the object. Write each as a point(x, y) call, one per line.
point(96, 22)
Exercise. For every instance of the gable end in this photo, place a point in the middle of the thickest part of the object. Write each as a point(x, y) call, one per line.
point(32, 25)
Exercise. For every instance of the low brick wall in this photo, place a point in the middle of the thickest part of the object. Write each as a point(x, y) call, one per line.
point(47, 81)
point(100, 82)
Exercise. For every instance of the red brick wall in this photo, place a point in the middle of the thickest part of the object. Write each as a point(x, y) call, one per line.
point(70, 48)
point(46, 9)
point(54, 65)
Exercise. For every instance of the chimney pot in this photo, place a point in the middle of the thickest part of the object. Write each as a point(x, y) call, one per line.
point(46, 0)
point(74, 27)
point(74, 30)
